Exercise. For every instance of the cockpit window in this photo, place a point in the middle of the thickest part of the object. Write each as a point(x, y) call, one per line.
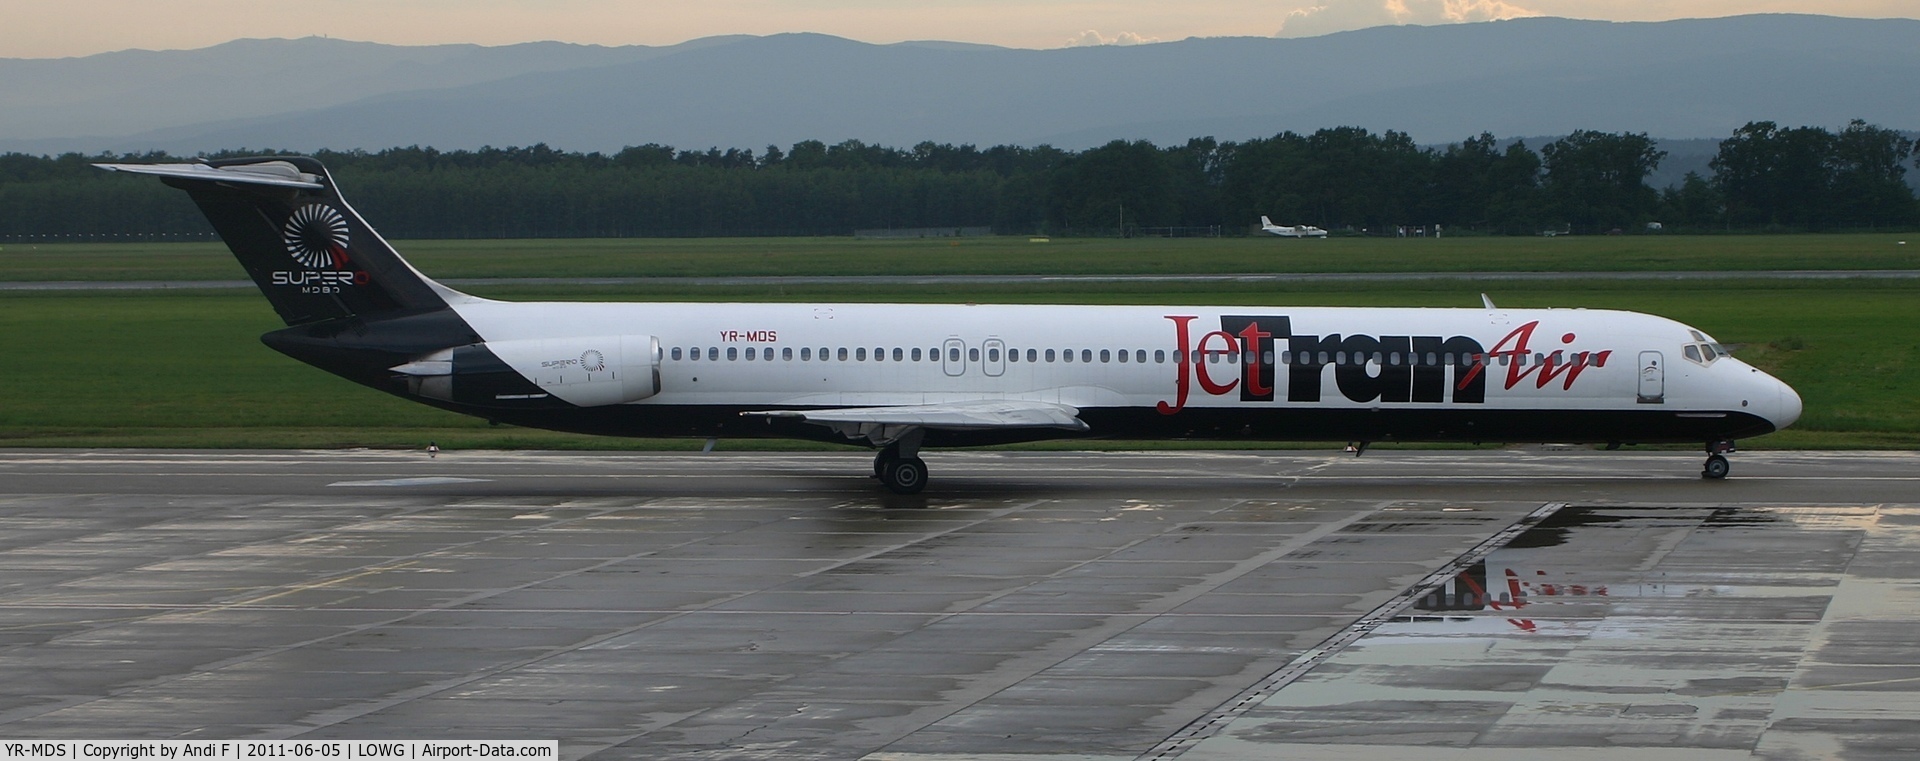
point(1703, 350)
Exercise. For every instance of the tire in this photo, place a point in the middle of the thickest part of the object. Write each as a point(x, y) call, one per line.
point(905, 475)
point(885, 459)
point(1716, 468)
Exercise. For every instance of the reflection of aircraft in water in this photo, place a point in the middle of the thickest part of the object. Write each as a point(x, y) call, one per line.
point(1537, 569)
point(1291, 231)
point(1508, 583)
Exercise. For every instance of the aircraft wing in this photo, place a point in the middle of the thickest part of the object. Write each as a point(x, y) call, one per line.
point(949, 416)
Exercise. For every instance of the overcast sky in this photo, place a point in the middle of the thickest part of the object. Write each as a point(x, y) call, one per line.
point(56, 28)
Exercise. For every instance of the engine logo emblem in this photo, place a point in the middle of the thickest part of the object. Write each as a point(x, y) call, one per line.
point(316, 236)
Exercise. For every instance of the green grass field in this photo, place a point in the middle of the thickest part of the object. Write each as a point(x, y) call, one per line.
point(186, 369)
point(638, 257)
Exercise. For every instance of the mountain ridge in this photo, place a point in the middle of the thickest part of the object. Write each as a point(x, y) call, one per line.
point(1695, 78)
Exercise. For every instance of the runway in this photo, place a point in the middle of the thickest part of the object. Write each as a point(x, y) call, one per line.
point(1207, 605)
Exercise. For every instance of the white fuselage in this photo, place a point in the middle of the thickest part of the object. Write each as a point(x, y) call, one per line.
point(835, 355)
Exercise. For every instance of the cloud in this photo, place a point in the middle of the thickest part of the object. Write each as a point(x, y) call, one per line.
point(1331, 16)
point(1091, 38)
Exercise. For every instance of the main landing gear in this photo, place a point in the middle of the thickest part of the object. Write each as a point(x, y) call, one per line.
point(1717, 465)
point(901, 471)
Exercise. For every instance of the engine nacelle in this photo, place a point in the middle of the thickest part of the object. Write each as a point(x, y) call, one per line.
point(592, 371)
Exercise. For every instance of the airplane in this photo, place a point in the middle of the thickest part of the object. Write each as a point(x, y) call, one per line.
point(1290, 231)
point(900, 377)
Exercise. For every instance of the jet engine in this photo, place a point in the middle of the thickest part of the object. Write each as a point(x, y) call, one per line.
point(590, 371)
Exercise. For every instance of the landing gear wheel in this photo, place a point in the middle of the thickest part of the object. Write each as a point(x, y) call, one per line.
point(905, 475)
point(1716, 468)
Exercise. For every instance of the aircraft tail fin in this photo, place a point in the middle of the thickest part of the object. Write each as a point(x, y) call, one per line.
point(310, 252)
point(1264, 222)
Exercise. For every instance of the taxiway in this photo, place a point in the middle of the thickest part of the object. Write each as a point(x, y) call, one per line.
point(1206, 605)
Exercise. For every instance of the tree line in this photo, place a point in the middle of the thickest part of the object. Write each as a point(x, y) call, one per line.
point(1345, 179)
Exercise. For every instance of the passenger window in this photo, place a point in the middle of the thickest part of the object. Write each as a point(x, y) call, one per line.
point(676, 352)
point(916, 354)
point(973, 354)
point(1140, 356)
point(993, 355)
point(953, 354)
point(1323, 358)
point(898, 354)
point(733, 353)
point(1066, 355)
point(842, 354)
point(1031, 354)
point(1049, 355)
point(860, 354)
point(1286, 358)
point(1013, 355)
point(752, 354)
point(1106, 356)
point(713, 354)
point(786, 354)
point(806, 354)
point(1086, 355)
point(1159, 356)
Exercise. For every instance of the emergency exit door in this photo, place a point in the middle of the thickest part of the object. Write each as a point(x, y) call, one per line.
point(953, 357)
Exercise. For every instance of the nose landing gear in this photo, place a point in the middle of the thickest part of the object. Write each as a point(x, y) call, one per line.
point(1717, 465)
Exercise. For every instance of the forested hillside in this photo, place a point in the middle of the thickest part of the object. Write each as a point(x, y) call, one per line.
point(1345, 179)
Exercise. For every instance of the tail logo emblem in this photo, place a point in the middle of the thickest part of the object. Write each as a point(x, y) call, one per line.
point(316, 236)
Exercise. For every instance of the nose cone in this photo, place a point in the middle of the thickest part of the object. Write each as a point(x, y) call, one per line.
point(1787, 409)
